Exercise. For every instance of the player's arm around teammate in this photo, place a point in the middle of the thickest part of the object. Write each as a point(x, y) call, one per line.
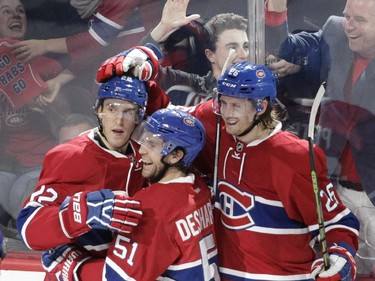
point(175, 238)
point(74, 197)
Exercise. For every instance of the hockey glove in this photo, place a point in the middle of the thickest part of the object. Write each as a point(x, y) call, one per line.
point(342, 266)
point(140, 61)
point(103, 209)
point(62, 263)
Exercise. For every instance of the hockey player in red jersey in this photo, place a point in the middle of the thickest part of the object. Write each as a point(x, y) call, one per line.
point(175, 238)
point(78, 198)
point(265, 211)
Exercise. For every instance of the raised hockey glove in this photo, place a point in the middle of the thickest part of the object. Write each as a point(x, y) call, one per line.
point(103, 209)
point(62, 263)
point(140, 61)
point(342, 266)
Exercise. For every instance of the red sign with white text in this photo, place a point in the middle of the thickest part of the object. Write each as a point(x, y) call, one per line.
point(18, 81)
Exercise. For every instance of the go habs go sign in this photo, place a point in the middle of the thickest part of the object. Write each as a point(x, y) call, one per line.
point(18, 82)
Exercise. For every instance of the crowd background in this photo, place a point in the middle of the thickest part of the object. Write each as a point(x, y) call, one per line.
point(88, 42)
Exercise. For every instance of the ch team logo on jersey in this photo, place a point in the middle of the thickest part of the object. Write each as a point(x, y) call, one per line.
point(235, 206)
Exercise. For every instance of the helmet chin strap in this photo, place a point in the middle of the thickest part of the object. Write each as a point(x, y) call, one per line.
point(252, 126)
point(100, 125)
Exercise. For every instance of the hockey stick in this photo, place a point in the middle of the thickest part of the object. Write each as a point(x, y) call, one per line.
point(218, 129)
point(216, 160)
point(314, 179)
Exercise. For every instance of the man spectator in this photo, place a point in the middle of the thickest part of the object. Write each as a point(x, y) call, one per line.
point(343, 53)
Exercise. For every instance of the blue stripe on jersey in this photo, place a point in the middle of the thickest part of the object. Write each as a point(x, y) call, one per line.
point(268, 214)
point(346, 219)
point(243, 210)
point(191, 271)
point(24, 217)
point(103, 29)
point(95, 240)
point(113, 272)
point(236, 275)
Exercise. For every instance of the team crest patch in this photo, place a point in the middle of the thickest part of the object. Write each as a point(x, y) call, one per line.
point(189, 121)
point(260, 73)
point(235, 206)
point(16, 120)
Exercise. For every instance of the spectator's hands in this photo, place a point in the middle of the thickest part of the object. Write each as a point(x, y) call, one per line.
point(61, 263)
point(277, 6)
point(173, 17)
point(53, 89)
point(140, 61)
point(41, 102)
point(102, 209)
point(29, 49)
point(342, 266)
point(54, 85)
point(281, 68)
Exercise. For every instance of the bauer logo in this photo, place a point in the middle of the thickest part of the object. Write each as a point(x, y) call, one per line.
point(235, 207)
point(77, 207)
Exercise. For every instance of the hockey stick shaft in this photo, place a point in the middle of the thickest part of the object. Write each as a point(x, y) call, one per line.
point(218, 129)
point(314, 178)
point(217, 149)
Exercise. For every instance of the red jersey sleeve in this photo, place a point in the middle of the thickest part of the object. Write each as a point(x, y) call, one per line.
point(107, 22)
point(79, 165)
point(157, 98)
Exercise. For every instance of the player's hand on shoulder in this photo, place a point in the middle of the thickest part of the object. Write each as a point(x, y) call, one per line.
point(102, 209)
point(277, 6)
point(342, 266)
point(139, 61)
point(62, 262)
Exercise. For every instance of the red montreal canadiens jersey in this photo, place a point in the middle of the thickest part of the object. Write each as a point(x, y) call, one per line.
point(174, 239)
point(265, 210)
point(79, 165)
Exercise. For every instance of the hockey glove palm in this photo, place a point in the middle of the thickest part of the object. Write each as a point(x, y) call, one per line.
point(62, 263)
point(140, 61)
point(342, 266)
point(103, 209)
